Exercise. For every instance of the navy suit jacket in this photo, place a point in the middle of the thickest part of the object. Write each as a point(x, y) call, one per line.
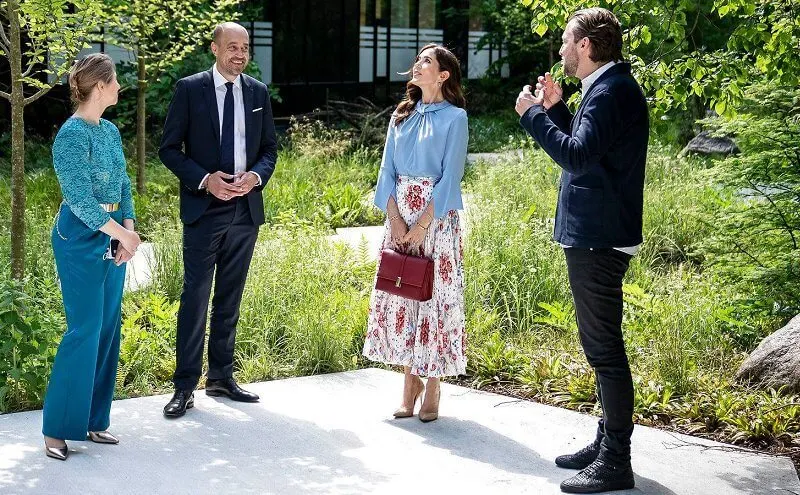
point(602, 151)
point(190, 145)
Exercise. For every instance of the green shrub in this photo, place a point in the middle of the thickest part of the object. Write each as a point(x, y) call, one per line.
point(147, 349)
point(327, 189)
point(37, 154)
point(496, 361)
point(30, 329)
point(166, 263)
point(756, 239)
point(305, 304)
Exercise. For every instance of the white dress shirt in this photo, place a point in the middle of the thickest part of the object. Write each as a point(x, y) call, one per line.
point(586, 84)
point(587, 81)
point(239, 131)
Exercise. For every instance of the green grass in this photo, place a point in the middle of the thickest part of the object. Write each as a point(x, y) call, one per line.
point(682, 328)
point(305, 305)
point(496, 132)
point(324, 192)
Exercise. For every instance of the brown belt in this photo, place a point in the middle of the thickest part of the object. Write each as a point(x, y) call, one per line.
point(109, 207)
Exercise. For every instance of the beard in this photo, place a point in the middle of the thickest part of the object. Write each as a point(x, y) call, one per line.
point(570, 66)
point(235, 69)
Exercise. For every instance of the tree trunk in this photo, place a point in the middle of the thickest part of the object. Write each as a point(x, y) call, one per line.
point(141, 135)
point(17, 146)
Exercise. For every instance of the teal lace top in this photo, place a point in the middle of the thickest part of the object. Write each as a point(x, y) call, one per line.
point(91, 170)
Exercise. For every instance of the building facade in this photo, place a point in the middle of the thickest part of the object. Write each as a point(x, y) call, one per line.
point(315, 50)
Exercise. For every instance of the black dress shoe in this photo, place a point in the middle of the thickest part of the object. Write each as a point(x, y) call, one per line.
point(229, 388)
point(180, 402)
point(580, 459)
point(600, 476)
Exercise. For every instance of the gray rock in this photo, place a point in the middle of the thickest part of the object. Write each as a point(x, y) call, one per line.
point(708, 145)
point(776, 361)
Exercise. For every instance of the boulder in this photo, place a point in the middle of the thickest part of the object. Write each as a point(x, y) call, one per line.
point(776, 361)
point(708, 145)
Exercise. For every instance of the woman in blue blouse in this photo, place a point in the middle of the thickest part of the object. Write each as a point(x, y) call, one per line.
point(419, 188)
point(97, 206)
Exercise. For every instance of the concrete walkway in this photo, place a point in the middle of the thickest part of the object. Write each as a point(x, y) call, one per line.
point(333, 434)
point(356, 237)
point(139, 269)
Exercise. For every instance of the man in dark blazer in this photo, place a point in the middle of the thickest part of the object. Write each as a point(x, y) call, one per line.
point(602, 150)
point(219, 140)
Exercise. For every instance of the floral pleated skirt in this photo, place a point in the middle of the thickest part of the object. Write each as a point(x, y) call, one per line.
point(429, 336)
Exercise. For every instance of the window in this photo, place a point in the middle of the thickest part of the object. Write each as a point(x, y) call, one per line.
point(430, 14)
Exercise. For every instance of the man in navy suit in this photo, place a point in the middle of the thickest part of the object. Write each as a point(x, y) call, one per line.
point(219, 140)
point(602, 151)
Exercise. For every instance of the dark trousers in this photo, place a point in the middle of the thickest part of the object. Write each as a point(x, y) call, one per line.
point(221, 241)
point(595, 277)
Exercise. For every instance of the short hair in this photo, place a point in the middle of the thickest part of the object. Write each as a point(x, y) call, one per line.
point(222, 27)
point(603, 29)
point(86, 73)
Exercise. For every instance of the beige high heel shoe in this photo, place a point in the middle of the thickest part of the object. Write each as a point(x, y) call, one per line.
point(428, 416)
point(403, 411)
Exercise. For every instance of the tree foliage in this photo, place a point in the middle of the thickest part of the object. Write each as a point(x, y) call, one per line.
point(673, 59)
point(160, 33)
point(40, 39)
point(54, 32)
point(163, 32)
point(757, 218)
point(508, 25)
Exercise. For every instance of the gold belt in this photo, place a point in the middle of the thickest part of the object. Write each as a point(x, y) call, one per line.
point(109, 207)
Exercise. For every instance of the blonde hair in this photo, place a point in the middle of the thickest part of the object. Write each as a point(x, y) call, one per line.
point(87, 73)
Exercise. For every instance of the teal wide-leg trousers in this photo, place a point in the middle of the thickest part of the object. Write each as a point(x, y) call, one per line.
point(82, 381)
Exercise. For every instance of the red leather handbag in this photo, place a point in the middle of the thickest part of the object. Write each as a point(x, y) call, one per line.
point(406, 276)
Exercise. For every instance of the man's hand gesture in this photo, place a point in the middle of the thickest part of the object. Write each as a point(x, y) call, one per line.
point(548, 90)
point(526, 100)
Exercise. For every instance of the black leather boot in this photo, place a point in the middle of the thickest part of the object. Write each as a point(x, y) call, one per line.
point(600, 476)
point(580, 459)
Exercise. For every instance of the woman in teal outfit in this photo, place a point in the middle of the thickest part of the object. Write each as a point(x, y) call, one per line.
point(97, 206)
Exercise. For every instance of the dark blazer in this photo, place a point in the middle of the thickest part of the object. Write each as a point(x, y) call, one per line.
point(602, 151)
point(190, 143)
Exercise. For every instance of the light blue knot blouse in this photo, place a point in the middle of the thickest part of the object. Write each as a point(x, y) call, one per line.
point(432, 143)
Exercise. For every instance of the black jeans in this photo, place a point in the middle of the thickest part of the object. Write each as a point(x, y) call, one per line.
point(595, 277)
point(222, 240)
